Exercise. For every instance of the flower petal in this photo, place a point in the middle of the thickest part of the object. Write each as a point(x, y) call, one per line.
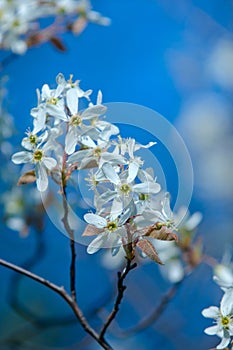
point(226, 305)
point(39, 121)
point(45, 92)
point(223, 276)
point(49, 162)
point(22, 157)
point(87, 141)
point(41, 177)
point(116, 209)
point(193, 221)
point(132, 171)
point(71, 140)
point(110, 173)
point(211, 312)
point(212, 330)
point(224, 343)
point(95, 220)
point(93, 111)
point(57, 112)
point(150, 187)
point(72, 101)
point(78, 156)
point(96, 244)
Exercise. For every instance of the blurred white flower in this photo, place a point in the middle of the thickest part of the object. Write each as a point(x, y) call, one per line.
point(219, 63)
point(20, 26)
point(206, 125)
point(223, 276)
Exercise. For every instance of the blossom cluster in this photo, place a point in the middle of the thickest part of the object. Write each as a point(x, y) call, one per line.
point(223, 315)
point(20, 26)
point(69, 134)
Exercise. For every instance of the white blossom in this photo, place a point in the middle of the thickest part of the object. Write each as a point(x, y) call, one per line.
point(42, 162)
point(223, 317)
point(77, 118)
point(19, 20)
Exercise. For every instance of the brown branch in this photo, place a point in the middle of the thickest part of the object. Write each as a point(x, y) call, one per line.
point(14, 284)
point(68, 230)
point(21, 309)
point(62, 292)
point(7, 60)
point(121, 288)
point(72, 245)
point(156, 314)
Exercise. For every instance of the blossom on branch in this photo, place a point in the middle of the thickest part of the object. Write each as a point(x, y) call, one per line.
point(20, 26)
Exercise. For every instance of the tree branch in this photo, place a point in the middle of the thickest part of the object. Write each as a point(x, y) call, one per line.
point(7, 60)
point(72, 244)
point(156, 314)
point(121, 288)
point(62, 292)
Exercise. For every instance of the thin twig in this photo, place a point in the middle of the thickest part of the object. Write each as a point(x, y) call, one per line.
point(63, 293)
point(26, 332)
point(21, 309)
point(7, 60)
point(121, 288)
point(155, 315)
point(72, 243)
point(13, 289)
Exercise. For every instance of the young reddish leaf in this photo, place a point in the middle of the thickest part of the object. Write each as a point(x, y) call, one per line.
point(57, 43)
point(148, 249)
point(92, 230)
point(90, 165)
point(163, 234)
point(27, 178)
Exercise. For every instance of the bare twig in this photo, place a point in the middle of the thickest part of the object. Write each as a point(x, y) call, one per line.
point(156, 314)
point(72, 244)
point(21, 309)
point(121, 288)
point(7, 60)
point(63, 293)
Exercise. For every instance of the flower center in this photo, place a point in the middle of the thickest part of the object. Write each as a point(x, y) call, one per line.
point(143, 196)
point(33, 139)
point(38, 154)
point(125, 189)
point(61, 11)
point(15, 23)
point(76, 120)
point(52, 101)
point(82, 12)
point(225, 321)
point(93, 121)
point(112, 226)
point(97, 152)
